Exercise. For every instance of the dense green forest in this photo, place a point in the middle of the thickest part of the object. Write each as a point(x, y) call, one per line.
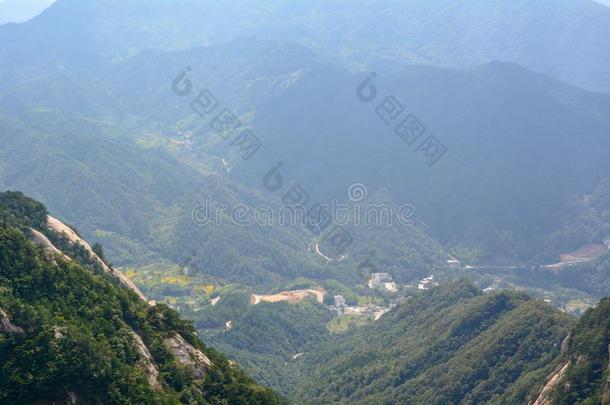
point(72, 332)
point(451, 345)
point(68, 331)
point(92, 127)
point(265, 338)
point(586, 379)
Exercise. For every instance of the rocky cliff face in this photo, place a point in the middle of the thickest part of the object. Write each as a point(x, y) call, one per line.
point(6, 326)
point(544, 398)
point(583, 375)
point(41, 240)
point(606, 390)
point(197, 363)
point(96, 337)
point(194, 359)
point(59, 227)
point(555, 379)
point(147, 363)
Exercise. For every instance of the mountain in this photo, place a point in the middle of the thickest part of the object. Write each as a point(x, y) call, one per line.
point(178, 135)
point(494, 142)
point(122, 89)
point(137, 201)
point(450, 345)
point(582, 375)
point(265, 338)
point(467, 202)
point(73, 329)
point(160, 178)
point(545, 36)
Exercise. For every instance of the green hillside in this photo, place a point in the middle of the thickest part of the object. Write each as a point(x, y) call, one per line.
point(584, 369)
point(264, 338)
point(69, 331)
point(451, 345)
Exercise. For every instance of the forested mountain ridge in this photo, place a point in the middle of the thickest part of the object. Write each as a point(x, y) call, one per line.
point(450, 345)
point(466, 200)
point(111, 104)
point(484, 118)
point(545, 36)
point(69, 332)
point(583, 373)
point(179, 134)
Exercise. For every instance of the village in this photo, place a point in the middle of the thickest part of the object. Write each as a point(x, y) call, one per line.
point(385, 293)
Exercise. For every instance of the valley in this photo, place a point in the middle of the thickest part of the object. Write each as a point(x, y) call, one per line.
point(322, 201)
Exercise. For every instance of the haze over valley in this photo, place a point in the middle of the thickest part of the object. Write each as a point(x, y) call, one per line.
point(304, 201)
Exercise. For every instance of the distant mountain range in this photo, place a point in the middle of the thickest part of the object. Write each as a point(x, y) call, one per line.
point(566, 39)
point(484, 115)
point(488, 120)
point(468, 201)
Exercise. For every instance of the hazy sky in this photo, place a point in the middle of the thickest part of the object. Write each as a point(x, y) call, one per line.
point(21, 10)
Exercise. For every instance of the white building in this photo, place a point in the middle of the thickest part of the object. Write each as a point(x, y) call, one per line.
point(427, 282)
point(378, 280)
point(339, 301)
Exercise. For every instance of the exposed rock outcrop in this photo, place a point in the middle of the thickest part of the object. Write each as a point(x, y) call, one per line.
point(565, 345)
point(41, 240)
point(146, 362)
point(61, 228)
point(6, 326)
point(545, 395)
point(194, 359)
